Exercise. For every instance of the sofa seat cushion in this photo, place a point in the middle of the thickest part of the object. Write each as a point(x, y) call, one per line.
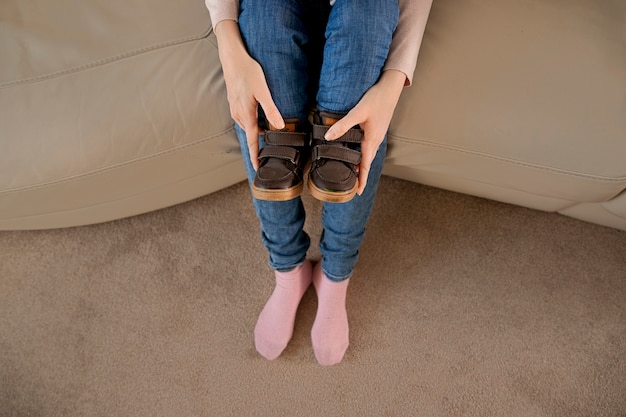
point(521, 102)
point(111, 109)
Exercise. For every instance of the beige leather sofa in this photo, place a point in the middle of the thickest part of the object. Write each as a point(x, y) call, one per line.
point(114, 108)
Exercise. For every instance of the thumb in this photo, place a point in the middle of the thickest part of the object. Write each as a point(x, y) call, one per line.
point(342, 126)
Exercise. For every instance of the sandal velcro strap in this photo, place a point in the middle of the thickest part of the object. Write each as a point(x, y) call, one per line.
point(281, 152)
point(338, 153)
point(353, 135)
point(285, 138)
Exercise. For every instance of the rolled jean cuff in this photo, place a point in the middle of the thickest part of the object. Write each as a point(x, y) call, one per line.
point(282, 268)
point(334, 278)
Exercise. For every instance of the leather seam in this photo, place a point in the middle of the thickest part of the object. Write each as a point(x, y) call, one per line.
point(105, 61)
point(510, 160)
point(121, 164)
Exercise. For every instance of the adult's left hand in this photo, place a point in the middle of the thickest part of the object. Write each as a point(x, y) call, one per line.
point(373, 114)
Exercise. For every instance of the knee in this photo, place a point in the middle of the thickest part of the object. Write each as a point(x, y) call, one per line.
point(255, 19)
point(365, 22)
point(268, 19)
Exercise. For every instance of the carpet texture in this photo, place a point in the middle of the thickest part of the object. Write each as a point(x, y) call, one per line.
point(459, 306)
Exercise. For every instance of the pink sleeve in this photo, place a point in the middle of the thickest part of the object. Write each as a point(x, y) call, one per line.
point(222, 10)
point(407, 38)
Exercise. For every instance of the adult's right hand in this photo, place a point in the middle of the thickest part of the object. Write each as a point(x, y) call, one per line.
point(246, 86)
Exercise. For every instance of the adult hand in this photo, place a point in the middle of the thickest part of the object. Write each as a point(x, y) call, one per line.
point(373, 113)
point(246, 86)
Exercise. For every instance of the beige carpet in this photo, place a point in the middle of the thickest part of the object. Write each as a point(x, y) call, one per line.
point(459, 307)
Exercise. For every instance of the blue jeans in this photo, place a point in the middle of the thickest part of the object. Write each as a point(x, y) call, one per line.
point(317, 55)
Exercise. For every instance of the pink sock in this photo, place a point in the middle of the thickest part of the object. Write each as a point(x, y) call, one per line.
point(274, 327)
point(330, 333)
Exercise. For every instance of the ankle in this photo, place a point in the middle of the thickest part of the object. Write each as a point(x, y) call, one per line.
point(326, 287)
point(299, 276)
point(330, 332)
point(274, 327)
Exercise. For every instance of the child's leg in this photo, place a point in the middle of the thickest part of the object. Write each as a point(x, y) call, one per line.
point(276, 36)
point(358, 39)
point(358, 36)
point(344, 229)
point(286, 37)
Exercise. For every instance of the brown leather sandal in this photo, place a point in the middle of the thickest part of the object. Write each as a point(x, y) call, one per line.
point(333, 176)
point(282, 160)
